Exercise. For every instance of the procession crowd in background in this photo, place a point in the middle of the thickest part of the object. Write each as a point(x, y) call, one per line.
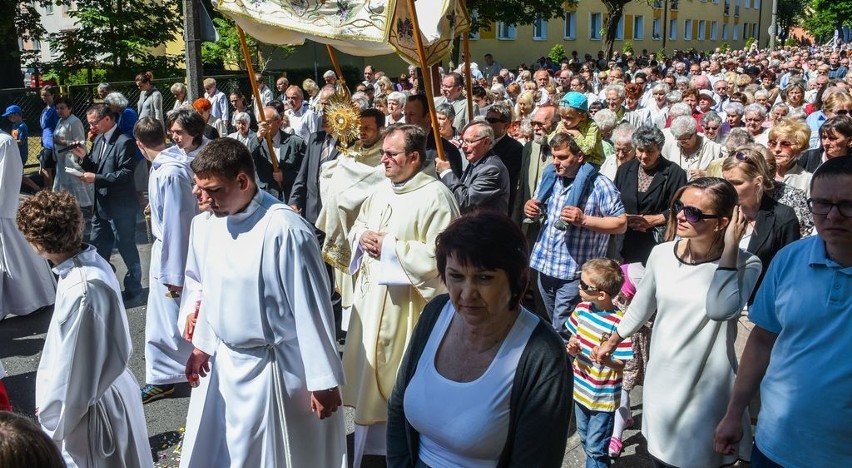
point(594, 225)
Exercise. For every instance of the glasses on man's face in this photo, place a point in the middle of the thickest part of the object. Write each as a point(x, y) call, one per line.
point(823, 207)
point(93, 123)
point(472, 142)
point(692, 214)
point(390, 154)
point(784, 144)
point(588, 288)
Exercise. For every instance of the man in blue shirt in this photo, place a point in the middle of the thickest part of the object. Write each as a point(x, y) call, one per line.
point(797, 353)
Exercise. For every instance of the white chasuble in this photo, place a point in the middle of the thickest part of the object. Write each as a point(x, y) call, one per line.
point(390, 293)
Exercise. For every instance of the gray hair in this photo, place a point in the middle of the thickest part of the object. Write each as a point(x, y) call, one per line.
point(329, 74)
point(447, 110)
point(660, 86)
point(761, 93)
point(710, 116)
point(679, 109)
point(682, 80)
point(116, 99)
point(504, 109)
point(178, 88)
point(648, 136)
point(485, 129)
point(674, 96)
point(781, 105)
point(683, 126)
point(619, 90)
point(361, 100)
point(757, 109)
point(606, 120)
point(243, 117)
point(399, 97)
point(104, 87)
point(623, 133)
point(734, 108)
point(738, 137)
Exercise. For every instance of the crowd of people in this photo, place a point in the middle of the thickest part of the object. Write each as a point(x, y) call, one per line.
point(572, 231)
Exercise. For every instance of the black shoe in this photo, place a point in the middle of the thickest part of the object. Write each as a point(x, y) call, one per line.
point(132, 297)
point(155, 392)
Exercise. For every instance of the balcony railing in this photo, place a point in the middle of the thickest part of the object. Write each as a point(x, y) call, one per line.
point(727, 7)
point(674, 3)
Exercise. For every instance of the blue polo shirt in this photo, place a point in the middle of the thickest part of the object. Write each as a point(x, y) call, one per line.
point(806, 395)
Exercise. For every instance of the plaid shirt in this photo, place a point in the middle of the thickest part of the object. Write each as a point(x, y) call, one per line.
point(560, 254)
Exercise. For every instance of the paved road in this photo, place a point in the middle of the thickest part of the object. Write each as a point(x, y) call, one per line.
point(22, 338)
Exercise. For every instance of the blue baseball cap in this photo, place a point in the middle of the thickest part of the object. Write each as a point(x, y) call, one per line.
point(575, 100)
point(13, 109)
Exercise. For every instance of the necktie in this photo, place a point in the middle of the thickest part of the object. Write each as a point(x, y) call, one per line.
point(327, 146)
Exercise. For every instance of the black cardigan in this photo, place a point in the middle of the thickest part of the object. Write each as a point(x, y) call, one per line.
point(539, 407)
point(775, 226)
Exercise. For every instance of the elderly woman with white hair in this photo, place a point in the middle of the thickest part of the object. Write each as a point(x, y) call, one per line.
point(711, 122)
point(622, 149)
point(243, 133)
point(754, 115)
point(692, 152)
point(733, 116)
point(396, 105)
point(658, 107)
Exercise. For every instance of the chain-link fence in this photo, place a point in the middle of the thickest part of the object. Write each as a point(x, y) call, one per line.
point(85, 95)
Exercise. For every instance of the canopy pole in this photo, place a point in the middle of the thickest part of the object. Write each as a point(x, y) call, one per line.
point(468, 83)
point(335, 63)
point(427, 77)
point(256, 94)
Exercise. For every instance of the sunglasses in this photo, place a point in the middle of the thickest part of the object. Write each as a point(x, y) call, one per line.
point(588, 288)
point(842, 112)
point(493, 120)
point(692, 214)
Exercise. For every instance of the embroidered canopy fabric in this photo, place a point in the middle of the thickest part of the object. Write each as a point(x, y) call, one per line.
point(362, 28)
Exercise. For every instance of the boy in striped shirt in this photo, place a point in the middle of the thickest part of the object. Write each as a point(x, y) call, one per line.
point(597, 385)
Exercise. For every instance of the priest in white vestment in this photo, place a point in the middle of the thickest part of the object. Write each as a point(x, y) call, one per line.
point(396, 274)
point(26, 283)
point(264, 332)
point(172, 207)
point(87, 400)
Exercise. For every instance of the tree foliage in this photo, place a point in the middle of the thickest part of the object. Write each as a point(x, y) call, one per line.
point(514, 11)
point(18, 20)
point(614, 13)
point(789, 13)
point(826, 16)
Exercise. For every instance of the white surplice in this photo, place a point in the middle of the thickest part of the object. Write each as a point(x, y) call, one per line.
point(173, 207)
point(26, 283)
point(86, 398)
point(266, 320)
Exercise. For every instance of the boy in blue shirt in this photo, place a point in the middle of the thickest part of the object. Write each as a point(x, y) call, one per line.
point(597, 385)
point(19, 130)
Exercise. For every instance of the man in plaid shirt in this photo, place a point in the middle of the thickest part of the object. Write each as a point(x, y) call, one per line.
point(583, 211)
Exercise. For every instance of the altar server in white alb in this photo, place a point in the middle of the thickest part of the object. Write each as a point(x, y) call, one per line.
point(87, 400)
point(26, 283)
point(172, 206)
point(393, 256)
point(265, 330)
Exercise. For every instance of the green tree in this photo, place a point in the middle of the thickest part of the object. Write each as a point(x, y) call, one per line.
point(18, 20)
point(117, 35)
point(789, 14)
point(826, 16)
point(614, 13)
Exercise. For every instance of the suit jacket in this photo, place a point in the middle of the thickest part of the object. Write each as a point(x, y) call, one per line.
point(113, 169)
point(291, 154)
point(668, 178)
point(305, 192)
point(533, 162)
point(484, 185)
point(510, 151)
point(775, 226)
point(452, 154)
point(811, 159)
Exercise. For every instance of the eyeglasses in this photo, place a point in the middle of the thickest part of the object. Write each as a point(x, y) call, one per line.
point(842, 112)
point(707, 127)
point(692, 214)
point(93, 123)
point(536, 123)
point(775, 143)
point(740, 156)
point(823, 207)
point(493, 120)
point(390, 154)
point(588, 288)
point(471, 142)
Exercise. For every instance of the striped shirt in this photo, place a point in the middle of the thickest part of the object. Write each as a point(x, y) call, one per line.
point(597, 387)
point(560, 254)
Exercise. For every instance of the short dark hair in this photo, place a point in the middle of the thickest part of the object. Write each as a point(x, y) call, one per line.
point(224, 157)
point(841, 124)
point(834, 167)
point(149, 131)
point(64, 100)
point(421, 98)
point(606, 275)
point(373, 113)
point(414, 139)
point(52, 221)
point(722, 194)
point(101, 111)
point(190, 120)
point(489, 240)
point(23, 444)
point(562, 139)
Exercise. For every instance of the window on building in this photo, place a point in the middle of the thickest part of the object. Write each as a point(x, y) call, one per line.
point(672, 29)
point(716, 2)
point(746, 3)
point(506, 31)
point(656, 29)
point(714, 30)
point(539, 29)
point(570, 25)
point(736, 7)
point(736, 36)
point(639, 27)
point(757, 4)
point(745, 30)
point(595, 25)
point(687, 30)
point(48, 8)
point(701, 26)
point(725, 32)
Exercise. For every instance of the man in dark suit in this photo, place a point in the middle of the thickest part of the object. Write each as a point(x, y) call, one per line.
point(290, 151)
point(417, 113)
point(485, 182)
point(109, 166)
point(508, 149)
point(305, 196)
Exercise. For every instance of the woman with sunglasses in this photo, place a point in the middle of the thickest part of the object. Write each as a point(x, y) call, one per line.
point(697, 284)
point(787, 140)
point(769, 225)
point(835, 137)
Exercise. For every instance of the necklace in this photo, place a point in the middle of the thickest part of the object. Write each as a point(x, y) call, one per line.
point(692, 260)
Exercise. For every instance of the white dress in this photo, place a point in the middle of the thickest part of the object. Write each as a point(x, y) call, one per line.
point(173, 207)
point(26, 283)
point(87, 399)
point(71, 129)
point(692, 365)
point(266, 320)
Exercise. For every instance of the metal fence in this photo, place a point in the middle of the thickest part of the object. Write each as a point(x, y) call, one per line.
point(85, 95)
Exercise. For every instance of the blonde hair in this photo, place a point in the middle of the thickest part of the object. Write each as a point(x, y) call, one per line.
point(835, 100)
point(606, 275)
point(750, 159)
point(794, 129)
